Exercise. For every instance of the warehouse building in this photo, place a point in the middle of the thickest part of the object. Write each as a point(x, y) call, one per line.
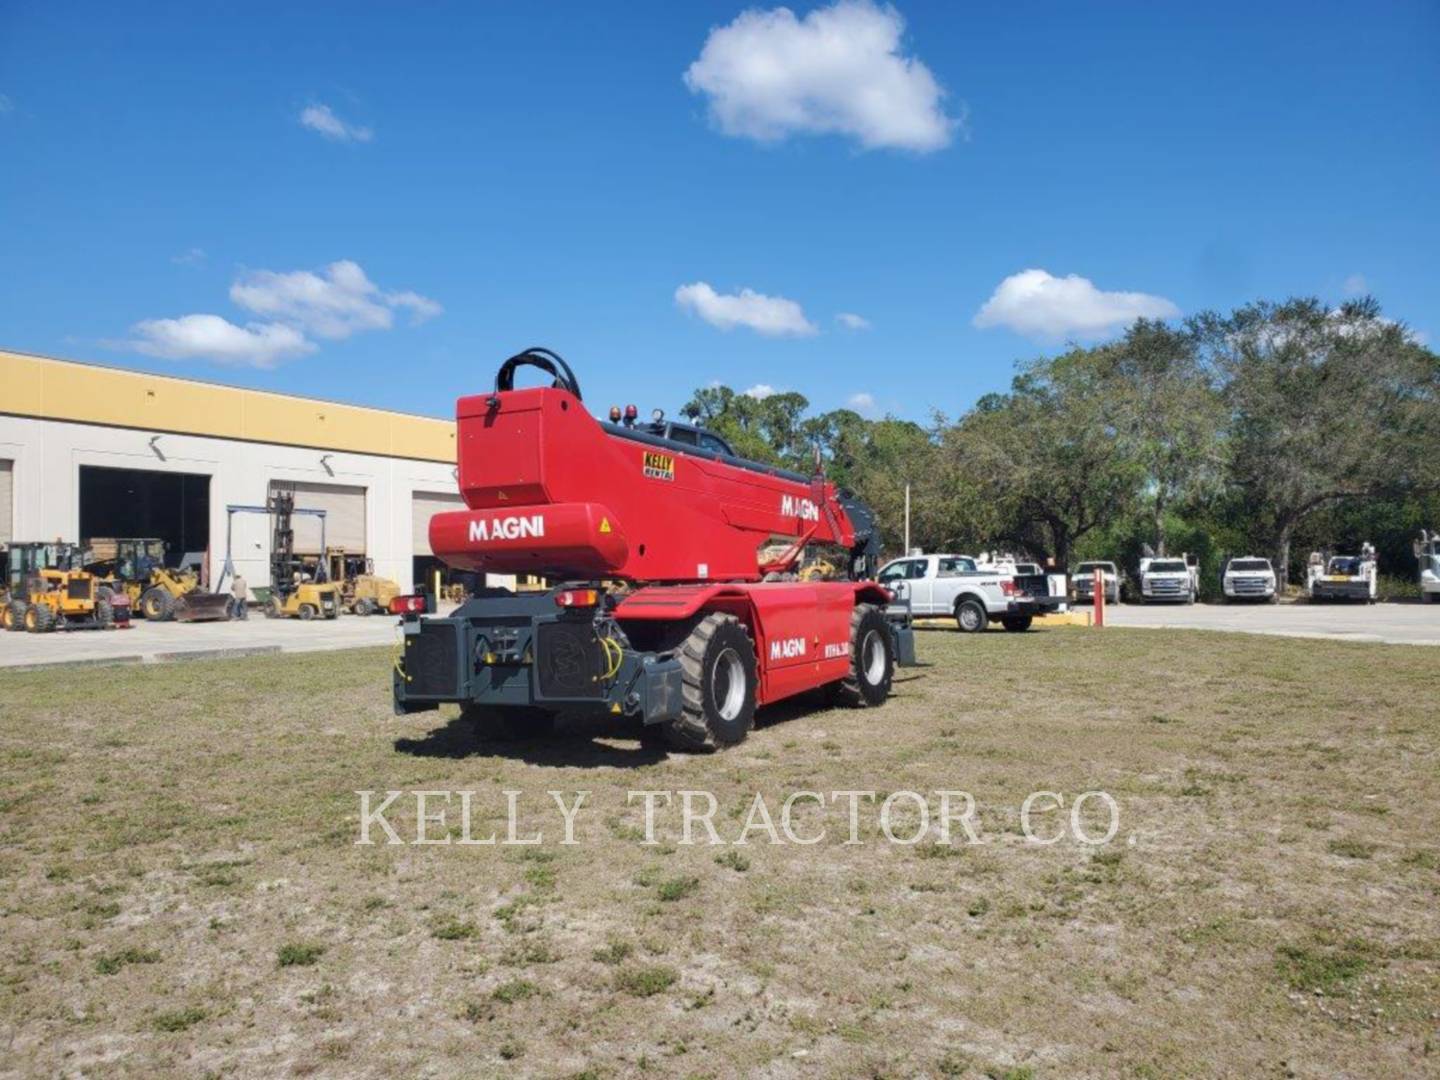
point(89, 451)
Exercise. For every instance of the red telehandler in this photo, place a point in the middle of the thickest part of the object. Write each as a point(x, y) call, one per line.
point(677, 600)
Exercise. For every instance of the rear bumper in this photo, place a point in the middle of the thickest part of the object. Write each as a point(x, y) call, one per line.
point(520, 651)
point(1340, 590)
point(1034, 605)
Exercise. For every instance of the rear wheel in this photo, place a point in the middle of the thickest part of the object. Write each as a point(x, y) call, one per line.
point(104, 614)
point(362, 607)
point(39, 619)
point(1017, 624)
point(970, 616)
point(872, 660)
point(307, 612)
point(718, 686)
point(508, 723)
point(14, 615)
point(272, 608)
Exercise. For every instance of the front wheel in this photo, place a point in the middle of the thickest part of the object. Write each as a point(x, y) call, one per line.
point(14, 616)
point(970, 616)
point(872, 660)
point(1017, 624)
point(157, 605)
point(307, 612)
point(39, 619)
point(718, 686)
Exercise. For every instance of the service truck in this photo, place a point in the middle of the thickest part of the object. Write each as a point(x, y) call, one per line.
point(1082, 580)
point(1342, 577)
point(1427, 554)
point(1166, 579)
point(973, 594)
point(1248, 578)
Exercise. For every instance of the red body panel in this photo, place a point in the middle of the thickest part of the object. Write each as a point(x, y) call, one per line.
point(801, 629)
point(537, 454)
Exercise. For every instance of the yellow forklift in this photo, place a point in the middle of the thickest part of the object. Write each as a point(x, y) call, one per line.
point(361, 591)
point(49, 590)
point(137, 568)
point(295, 590)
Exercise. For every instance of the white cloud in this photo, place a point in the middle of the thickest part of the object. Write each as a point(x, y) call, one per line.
point(293, 307)
point(773, 316)
point(210, 337)
point(851, 321)
point(193, 257)
point(839, 70)
point(863, 403)
point(760, 391)
point(1039, 305)
point(335, 303)
point(322, 118)
point(1355, 285)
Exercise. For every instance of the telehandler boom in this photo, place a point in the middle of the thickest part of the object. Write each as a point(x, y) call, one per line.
point(677, 600)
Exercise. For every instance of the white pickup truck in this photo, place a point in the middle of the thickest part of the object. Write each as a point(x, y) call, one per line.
point(955, 585)
point(1164, 578)
point(1248, 578)
point(1083, 582)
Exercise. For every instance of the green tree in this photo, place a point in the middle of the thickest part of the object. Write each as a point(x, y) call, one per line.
point(1324, 407)
point(1168, 407)
point(1051, 461)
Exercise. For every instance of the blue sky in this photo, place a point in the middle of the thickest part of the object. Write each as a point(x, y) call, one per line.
point(471, 179)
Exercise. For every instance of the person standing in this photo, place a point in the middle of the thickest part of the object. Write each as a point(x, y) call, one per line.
point(239, 594)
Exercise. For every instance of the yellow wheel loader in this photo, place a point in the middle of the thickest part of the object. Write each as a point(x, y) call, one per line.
point(137, 568)
point(49, 591)
point(361, 591)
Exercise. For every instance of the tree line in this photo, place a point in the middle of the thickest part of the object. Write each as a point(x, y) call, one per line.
point(1276, 429)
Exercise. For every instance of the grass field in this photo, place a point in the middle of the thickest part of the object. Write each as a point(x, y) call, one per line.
point(181, 891)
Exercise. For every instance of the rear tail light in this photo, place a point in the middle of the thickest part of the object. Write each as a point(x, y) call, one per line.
point(408, 605)
point(571, 598)
point(1008, 587)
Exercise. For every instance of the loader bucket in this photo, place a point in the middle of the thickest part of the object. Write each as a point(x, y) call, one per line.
point(200, 606)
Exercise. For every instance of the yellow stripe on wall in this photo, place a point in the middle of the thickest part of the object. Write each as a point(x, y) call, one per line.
point(48, 389)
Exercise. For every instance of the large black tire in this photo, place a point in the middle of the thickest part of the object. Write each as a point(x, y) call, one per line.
point(508, 723)
point(157, 605)
point(971, 616)
point(39, 619)
point(1017, 624)
point(308, 612)
point(15, 615)
point(718, 689)
point(104, 614)
point(272, 607)
point(362, 607)
point(872, 660)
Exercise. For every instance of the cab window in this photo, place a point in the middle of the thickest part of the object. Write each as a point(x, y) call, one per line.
point(910, 568)
point(682, 435)
point(952, 567)
point(714, 444)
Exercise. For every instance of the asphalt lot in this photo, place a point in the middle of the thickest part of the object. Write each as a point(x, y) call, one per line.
point(146, 642)
point(150, 642)
point(1399, 624)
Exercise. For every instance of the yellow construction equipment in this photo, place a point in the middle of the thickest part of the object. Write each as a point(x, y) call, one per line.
point(49, 590)
point(361, 591)
point(136, 567)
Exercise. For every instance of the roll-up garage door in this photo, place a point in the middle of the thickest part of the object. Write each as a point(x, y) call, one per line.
point(7, 501)
point(426, 504)
point(344, 508)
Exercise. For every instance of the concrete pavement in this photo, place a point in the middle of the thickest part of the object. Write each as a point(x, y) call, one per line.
point(151, 642)
point(1399, 624)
